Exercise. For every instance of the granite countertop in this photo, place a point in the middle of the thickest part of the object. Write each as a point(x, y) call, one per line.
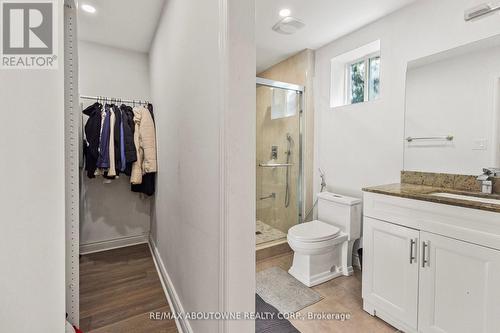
point(422, 192)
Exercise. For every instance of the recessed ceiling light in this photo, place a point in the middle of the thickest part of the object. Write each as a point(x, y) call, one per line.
point(285, 12)
point(88, 8)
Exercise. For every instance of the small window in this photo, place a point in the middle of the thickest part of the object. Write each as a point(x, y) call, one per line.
point(363, 79)
point(374, 78)
point(355, 76)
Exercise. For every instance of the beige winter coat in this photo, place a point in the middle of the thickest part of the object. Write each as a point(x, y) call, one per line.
point(145, 143)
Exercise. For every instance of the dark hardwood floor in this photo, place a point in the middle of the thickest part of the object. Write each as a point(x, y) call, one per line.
point(118, 291)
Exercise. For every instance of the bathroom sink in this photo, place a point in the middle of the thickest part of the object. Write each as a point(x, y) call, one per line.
point(468, 198)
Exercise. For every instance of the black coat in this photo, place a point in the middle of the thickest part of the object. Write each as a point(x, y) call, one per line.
point(117, 134)
point(92, 135)
point(147, 186)
point(128, 133)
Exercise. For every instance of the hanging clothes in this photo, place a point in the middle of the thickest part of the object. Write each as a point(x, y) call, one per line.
point(150, 108)
point(118, 138)
point(145, 141)
point(103, 160)
point(123, 159)
point(121, 140)
point(148, 141)
point(128, 138)
point(148, 184)
point(112, 166)
point(92, 138)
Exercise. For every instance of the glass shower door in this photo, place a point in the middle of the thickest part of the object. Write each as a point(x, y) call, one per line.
point(278, 163)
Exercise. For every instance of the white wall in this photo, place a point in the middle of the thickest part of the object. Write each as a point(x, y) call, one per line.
point(32, 240)
point(453, 96)
point(112, 211)
point(362, 145)
point(111, 71)
point(203, 84)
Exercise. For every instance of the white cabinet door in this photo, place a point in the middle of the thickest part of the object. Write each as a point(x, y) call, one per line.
point(390, 272)
point(459, 287)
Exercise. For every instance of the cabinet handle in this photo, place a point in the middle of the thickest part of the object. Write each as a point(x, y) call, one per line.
point(425, 259)
point(413, 242)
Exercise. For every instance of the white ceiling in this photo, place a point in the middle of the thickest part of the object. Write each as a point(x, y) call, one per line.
point(325, 21)
point(128, 24)
point(131, 24)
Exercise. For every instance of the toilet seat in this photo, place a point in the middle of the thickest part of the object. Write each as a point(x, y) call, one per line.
point(312, 232)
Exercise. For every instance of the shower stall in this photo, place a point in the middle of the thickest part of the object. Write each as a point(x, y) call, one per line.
point(279, 160)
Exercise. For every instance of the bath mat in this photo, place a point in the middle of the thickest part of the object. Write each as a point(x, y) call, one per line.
point(274, 325)
point(283, 291)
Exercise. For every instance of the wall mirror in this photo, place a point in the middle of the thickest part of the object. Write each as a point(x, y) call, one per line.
point(452, 113)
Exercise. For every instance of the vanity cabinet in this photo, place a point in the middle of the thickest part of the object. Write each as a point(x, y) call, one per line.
point(419, 279)
point(390, 271)
point(459, 289)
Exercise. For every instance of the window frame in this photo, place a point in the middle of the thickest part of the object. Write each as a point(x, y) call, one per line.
point(347, 77)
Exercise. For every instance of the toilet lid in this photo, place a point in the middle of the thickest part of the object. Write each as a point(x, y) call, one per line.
point(314, 231)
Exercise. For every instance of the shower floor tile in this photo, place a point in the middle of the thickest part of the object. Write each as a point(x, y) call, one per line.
point(265, 233)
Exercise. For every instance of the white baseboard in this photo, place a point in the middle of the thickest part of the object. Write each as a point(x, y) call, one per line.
point(112, 244)
point(183, 325)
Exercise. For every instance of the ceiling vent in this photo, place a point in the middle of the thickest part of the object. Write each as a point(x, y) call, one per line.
point(289, 25)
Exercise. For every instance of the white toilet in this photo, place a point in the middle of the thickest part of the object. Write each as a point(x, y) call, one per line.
point(323, 248)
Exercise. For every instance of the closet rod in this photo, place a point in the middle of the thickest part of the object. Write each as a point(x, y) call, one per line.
point(119, 100)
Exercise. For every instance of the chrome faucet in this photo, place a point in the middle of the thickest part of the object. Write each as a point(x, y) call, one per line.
point(486, 179)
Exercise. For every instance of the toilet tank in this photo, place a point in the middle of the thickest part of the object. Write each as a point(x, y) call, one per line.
point(341, 211)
